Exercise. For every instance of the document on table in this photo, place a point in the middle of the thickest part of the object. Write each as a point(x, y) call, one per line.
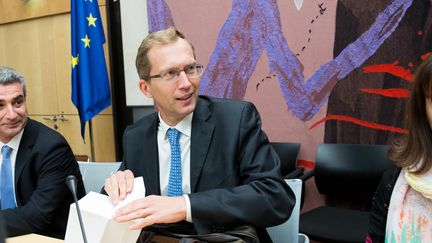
point(97, 212)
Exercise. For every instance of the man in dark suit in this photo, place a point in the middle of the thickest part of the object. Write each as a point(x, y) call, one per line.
point(228, 175)
point(35, 162)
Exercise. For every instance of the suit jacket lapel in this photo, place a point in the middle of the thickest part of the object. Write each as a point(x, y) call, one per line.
point(202, 132)
point(24, 151)
point(149, 160)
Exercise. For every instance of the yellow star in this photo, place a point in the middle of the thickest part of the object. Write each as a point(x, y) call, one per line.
point(86, 41)
point(91, 20)
point(75, 61)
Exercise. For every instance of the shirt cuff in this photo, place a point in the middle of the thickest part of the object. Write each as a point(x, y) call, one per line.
point(188, 209)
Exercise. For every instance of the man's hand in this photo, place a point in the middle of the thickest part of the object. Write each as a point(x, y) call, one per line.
point(151, 210)
point(118, 185)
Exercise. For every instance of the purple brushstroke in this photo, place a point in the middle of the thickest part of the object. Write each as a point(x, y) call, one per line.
point(239, 46)
point(254, 26)
point(159, 15)
point(353, 56)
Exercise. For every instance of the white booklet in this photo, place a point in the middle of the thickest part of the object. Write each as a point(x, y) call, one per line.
point(97, 213)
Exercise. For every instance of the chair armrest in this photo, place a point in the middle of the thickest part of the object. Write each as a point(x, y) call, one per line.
point(307, 175)
point(295, 174)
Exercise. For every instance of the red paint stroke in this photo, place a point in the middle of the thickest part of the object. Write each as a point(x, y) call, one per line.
point(425, 56)
point(372, 125)
point(305, 163)
point(393, 93)
point(391, 68)
point(420, 33)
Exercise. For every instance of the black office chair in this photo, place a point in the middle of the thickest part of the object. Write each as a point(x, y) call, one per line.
point(347, 174)
point(288, 153)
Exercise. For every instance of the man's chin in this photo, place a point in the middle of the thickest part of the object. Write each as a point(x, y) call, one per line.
point(9, 134)
point(12, 131)
point(186, 110)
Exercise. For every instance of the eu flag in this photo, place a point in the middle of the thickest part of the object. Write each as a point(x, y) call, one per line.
point(90, 84)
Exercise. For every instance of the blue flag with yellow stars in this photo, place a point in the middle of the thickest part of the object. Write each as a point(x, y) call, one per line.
point(90, 84)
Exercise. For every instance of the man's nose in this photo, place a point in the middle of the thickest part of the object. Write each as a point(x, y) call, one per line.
point(183, 80)
point(10, 112)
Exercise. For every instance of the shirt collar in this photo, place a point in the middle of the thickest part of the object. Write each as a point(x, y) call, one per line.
point(184, 126)
point(14, 142)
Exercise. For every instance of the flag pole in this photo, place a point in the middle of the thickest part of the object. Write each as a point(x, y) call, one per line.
point(91, 140)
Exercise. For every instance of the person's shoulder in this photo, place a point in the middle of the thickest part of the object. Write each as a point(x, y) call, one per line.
point(143, 122)
point(391, 175)
point(40, 130)
point(42, 137)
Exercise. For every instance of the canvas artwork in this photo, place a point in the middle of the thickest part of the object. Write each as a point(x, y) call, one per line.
point(319, 71)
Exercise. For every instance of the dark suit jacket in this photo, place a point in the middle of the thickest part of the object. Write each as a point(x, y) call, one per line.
point(235, 177)
point(43, 162)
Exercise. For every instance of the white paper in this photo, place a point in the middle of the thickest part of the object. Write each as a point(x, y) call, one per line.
point(289, 231)
point(97, 211)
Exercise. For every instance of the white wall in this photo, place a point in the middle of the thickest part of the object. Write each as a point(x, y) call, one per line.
point(134, 28)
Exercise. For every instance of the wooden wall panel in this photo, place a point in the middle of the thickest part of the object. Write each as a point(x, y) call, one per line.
point(2, 45)
point(62, 50)
point(28, 48)
point(40, 49)
point(103, 138)
point(18, 10)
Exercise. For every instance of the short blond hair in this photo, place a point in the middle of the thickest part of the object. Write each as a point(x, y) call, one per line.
point(161, 37)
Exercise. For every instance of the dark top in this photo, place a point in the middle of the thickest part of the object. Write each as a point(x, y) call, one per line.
point(380, 205)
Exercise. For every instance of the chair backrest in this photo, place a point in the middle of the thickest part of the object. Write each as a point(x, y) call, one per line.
point(95, 173)
point(287, 153)
point(289, 231)
point(350, 171)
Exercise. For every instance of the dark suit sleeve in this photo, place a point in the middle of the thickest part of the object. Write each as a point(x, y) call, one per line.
point(42, 191)
point(261, 197)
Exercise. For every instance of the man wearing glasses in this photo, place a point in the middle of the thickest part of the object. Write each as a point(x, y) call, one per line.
point(206, 163)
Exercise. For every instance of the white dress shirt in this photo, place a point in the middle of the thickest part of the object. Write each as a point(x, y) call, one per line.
point(14, 144)
point(164, 151)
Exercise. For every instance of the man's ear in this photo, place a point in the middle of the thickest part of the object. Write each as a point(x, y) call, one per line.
point(145, 89)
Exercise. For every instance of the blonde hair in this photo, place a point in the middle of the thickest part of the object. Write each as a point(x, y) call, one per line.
point(161, 37)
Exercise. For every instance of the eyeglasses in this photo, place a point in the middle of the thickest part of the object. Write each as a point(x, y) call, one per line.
point(171, 75)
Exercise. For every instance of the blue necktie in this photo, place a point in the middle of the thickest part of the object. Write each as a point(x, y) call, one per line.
point(6, 181)
point(175, 176)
